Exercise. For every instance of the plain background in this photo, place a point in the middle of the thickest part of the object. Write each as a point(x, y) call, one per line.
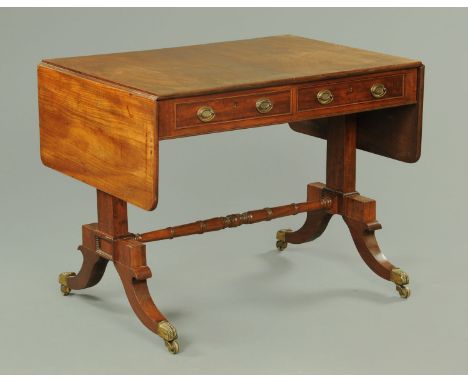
point(239, 305)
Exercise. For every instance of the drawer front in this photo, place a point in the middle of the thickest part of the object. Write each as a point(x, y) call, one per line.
point(210, 111)
point(183, 117)
point(348, 92)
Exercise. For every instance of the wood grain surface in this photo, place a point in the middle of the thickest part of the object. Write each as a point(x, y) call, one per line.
point(100, 134)
point(225, 66)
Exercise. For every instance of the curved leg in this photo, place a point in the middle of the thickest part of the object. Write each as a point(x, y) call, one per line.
point(363, 235)
point(130, 262)
point(92, 269)
point(90, 274)
point(315, 224)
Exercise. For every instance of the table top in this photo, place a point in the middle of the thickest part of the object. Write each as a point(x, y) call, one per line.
point(233, 65)
point(102, 117)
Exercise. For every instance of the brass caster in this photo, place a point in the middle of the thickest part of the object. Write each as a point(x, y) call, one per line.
point(401, 279)
point(65, 290)
point(63, 280)
point(168, 333)
point(281, 245)
point(404, 291)
point(281, 242)
point(172, 346)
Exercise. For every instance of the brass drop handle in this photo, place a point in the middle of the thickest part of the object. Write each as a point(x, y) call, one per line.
point(325, 97)
point(264, 105)
point(205, 114)
point(378, 90)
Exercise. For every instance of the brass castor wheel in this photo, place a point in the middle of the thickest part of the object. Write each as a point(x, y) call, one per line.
point(172, 346)
point(65, 290)
point(63, 280)
point(401, 279)
point(281, 245)
point(281, 242)
point(404, 291)
point(168, 333)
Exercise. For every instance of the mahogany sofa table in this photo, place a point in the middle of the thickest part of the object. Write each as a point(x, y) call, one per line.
point(102, 117)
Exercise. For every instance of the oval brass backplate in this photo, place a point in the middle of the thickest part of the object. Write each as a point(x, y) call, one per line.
point(325, 97)
point(205, 114)
point(264, 105)
point(378, 90)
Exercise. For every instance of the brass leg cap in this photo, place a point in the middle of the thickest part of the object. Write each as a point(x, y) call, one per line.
point(63, 280)
point(404, 291)
point(166, 331)
point(399, 277)
point(172, 346)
